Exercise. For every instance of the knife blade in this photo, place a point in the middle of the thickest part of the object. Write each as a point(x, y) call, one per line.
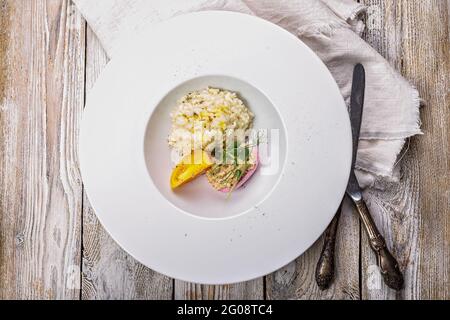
point(388, 265)
point(356, 112)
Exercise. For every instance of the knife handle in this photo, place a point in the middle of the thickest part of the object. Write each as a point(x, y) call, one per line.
point(388, 265)
point(325, 265)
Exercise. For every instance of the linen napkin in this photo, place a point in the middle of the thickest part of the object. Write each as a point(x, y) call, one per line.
point(332, 29)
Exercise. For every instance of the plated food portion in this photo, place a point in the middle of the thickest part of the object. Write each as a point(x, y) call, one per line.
point(212, 134)
point(126, 162)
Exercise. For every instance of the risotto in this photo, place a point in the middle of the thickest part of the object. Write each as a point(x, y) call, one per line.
point(202, 116)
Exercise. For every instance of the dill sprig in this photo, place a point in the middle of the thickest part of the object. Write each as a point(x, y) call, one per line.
point(231, 167)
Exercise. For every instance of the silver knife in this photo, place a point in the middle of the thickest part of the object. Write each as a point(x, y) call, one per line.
point(325, 266)
point(388, 265)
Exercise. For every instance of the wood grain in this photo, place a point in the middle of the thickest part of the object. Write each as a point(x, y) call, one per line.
point(40, 199)
point(297, 281)
point(251, 290)
point(414, 37)
point(108, 271)
point(5, 21)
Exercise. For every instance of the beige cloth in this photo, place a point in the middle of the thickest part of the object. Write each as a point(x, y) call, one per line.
point(329, 27)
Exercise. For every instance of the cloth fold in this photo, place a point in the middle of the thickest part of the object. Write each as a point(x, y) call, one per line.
point(332, 29)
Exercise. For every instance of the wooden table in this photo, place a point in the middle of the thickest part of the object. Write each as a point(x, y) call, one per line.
point(52, 245)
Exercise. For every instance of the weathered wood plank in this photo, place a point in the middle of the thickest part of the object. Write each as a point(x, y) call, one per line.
point(109, 272)
point(251, 290)
point(41, 99)
point(296, 281)
point(414, 37)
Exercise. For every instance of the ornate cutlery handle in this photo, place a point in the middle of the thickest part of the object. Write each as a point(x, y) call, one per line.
point(325, 265)
point(387, 263)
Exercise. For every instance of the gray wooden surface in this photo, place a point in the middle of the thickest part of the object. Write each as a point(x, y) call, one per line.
point(53, 247)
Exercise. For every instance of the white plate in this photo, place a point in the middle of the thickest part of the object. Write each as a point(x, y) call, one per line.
point(204, 238)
